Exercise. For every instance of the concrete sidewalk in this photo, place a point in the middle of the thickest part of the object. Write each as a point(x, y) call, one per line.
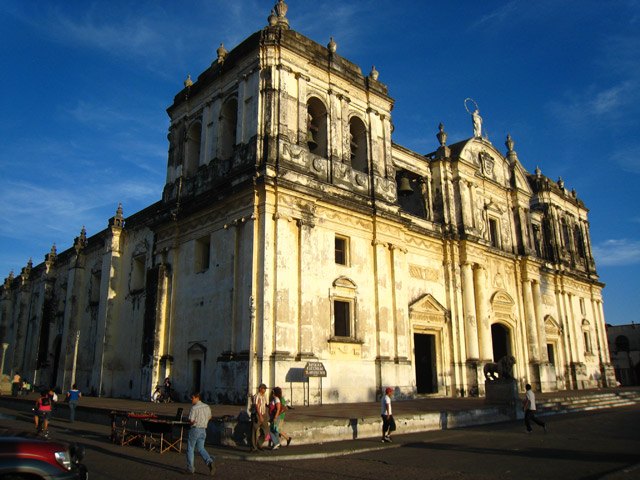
point(327, 425)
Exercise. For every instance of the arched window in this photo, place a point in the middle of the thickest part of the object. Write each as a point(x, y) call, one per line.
point(586, 332)
point(358, 144)
point(577, 238)
point(192, 155)
point(622, 343)
point(228, 126)
point(317, 127)
point(565, 235)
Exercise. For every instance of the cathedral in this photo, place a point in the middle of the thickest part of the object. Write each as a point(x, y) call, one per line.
point(292, 231)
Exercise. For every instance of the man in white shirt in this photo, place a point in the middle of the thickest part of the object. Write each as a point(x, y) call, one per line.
point(529, 410)
point(199, 416)
point(388, 423)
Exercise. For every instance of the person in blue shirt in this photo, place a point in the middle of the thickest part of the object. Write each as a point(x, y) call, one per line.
point(73, 395)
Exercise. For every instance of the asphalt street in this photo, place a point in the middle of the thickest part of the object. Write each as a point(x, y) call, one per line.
point(601, 444)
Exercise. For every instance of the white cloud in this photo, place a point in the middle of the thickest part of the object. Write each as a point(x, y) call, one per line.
point(610, 100)
point(499, 16)
point(623, 252)
point(628, 158)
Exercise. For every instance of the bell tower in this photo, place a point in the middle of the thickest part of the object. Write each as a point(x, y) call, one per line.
point(281, 105)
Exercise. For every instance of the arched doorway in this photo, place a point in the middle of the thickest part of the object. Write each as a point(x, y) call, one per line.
point(501, 341)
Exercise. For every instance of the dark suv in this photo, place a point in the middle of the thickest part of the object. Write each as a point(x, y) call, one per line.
point(34, 458)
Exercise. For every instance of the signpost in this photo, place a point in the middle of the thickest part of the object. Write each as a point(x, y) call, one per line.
point(314, 369)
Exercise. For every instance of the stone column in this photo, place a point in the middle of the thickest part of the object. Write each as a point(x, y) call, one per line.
point(107, 312)
point(532, 328)
point(302, 108)
point(482, 308)
point(306, 272)
point(471, 329)
point(384, 306)
point(74, 303)
point(542, 334)
point(576, 330)
point(465, 204)
point(600, 315)
point(401, 312)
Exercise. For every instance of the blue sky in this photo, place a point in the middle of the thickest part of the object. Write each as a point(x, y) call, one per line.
point(85, 86)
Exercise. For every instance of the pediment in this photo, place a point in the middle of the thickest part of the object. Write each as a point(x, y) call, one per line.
point(491, 164)
point(427, 304)
point(197, 348)
point(551, 326)
point(502, 298)
point(344, 282)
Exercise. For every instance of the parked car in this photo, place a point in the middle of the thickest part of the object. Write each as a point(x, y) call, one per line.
point(34, 458)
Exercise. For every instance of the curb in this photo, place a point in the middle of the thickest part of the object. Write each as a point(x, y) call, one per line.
point(304, 456)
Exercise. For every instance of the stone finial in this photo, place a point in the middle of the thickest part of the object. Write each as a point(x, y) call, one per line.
point(118, 220)
point(373, 74)
point(560, 182)
point(188, 82)
point(443, 151)
point(272, 19)
point(8, 280)
point(442, 135)
point(81, 241)
point(509, 144)
point(26, 271)
point(538, 172)
point(222, 53)
point(50, 257)
point(281, 10)
point(332, 46)
point(574, 194)
point(512, 156)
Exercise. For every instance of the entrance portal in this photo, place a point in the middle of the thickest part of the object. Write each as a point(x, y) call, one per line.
point(501, 341)
point(426, 370)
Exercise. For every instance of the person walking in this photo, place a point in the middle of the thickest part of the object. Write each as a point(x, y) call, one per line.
point(16, 385)
point(166, 390)
point(42, 411)
point(199, 416)
point(388, 423)
point(281, 422)
point(73, 396)
point(529, 410)
point(259, 423)
point(275, 409)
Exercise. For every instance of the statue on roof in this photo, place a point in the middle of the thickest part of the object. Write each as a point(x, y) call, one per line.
point(475, 116)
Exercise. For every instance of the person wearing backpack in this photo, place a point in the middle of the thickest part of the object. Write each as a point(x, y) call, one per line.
point(43, 413)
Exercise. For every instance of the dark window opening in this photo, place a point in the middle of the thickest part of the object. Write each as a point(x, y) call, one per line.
point(551, 354)
point(317, 127)
point(493, 232)
point(342, 319)
point(341, 251)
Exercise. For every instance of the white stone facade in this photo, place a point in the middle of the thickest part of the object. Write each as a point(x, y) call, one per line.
point(281, 238)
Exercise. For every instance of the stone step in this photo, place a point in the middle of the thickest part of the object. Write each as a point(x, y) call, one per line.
point(592, 402)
